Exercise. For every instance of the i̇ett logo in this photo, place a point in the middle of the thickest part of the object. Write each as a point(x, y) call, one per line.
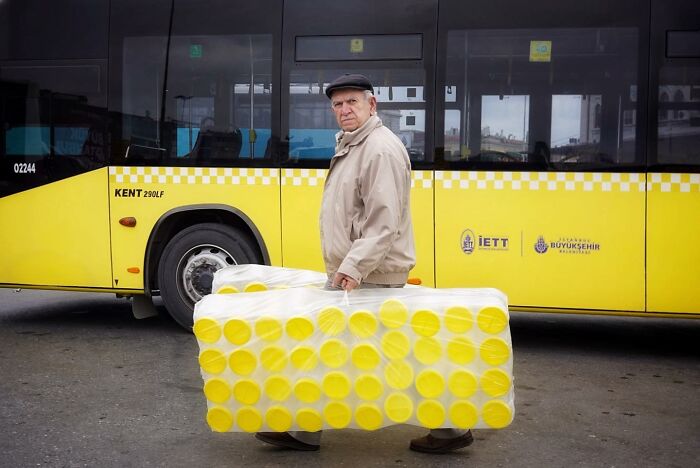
point(467, 241)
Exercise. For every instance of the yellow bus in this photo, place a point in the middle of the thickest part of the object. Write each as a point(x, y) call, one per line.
point(555, 145)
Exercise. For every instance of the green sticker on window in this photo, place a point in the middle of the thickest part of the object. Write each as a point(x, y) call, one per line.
point(195, 50)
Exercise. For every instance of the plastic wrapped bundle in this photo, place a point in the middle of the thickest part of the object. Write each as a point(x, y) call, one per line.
point(254, 278)
point(310, 359)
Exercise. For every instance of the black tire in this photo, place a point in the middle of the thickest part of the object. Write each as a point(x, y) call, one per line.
point(188, 263)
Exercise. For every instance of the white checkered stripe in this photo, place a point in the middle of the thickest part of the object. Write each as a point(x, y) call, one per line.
point(551, 181)
point(684, 183)
point(422, 179)
point(193, 175)
point(317, 177)
point(304, 177)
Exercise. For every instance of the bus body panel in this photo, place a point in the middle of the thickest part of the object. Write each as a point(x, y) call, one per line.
point(673, 243)
point(564, 240)
point(147, 193)
point(57, 234)
point(301, 204)
point(423, 217)
point(302, 190)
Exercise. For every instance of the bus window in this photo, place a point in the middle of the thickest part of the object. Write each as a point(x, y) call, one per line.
point(679, 115)
point(576, 127)
point(213, 83)
point(312, 125)
point(53, 125)
point(541, 98)
point(142, 85)
point(504, 121)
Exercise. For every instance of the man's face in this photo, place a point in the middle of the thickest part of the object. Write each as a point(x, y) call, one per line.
point(352, 108)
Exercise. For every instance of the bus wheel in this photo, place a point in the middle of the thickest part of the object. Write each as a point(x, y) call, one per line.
point(186, 268)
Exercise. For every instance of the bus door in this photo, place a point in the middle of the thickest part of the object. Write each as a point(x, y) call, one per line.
point(395, 51)
point(53, 147)
point(673, 203)
point(542, 192)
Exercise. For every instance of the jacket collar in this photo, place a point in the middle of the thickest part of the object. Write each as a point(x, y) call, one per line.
point(344, 140)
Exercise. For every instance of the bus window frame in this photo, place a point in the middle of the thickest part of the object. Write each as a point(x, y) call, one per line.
point(457, 15)
point(411, 17)
point(664, 20)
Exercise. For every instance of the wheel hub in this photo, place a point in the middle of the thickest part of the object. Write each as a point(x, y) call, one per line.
point(198, 268)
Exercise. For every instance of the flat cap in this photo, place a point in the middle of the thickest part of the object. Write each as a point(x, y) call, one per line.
point(349, 80)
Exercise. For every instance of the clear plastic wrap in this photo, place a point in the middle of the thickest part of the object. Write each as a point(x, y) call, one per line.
point(310, 359)
point(255, 278)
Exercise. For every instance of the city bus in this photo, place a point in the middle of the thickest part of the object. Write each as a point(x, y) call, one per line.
point(555, 145)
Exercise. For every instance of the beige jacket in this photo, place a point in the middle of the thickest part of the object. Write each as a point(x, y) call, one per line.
point(365, 220)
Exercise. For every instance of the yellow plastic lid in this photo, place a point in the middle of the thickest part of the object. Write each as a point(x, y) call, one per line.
point(363, 323)
point(492, 320)
point(255, 286)
point(398, 374)
point(227, 289)
point(299, 328)
point(217, 390)
point(249, 419)
point(393, 313)
point(495, 382)
point(460, 350)
point(334, 353)
point(207, 330)
point(368, 416)
point(463, 414)
point(337, 414)
point(273, 358)
point(336, 385)
point(278, 418)
point(431, 414)
point(458, 319)
point(365, 356)
point(246, 391)
point(368, 387)
point(212, 361)
point(398, 407)
point(268, 328)
point(494, 351)
point(242, 362)
point(331, 321)
point(395, 345)
point(427, 350)
point(237, 331)
point(430, 383)
point(304, 358)
point(462, 383)
point(496, 414)
point(425, 322)
point(308, 419)
point(219, 419)
point(278, 387)
point(307, 390)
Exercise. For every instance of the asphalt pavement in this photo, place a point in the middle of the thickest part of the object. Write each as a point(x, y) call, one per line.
point(83, 383)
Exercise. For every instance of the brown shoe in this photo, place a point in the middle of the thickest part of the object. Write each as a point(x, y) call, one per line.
point(284, 439)
point(430, 444)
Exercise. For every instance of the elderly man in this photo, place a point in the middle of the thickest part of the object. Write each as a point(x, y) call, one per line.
point(366, 231)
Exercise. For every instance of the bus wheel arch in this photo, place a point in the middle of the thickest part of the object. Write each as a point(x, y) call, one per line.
point(188, 244)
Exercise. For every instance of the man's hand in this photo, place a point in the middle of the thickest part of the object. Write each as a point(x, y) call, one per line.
point(343, 281)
